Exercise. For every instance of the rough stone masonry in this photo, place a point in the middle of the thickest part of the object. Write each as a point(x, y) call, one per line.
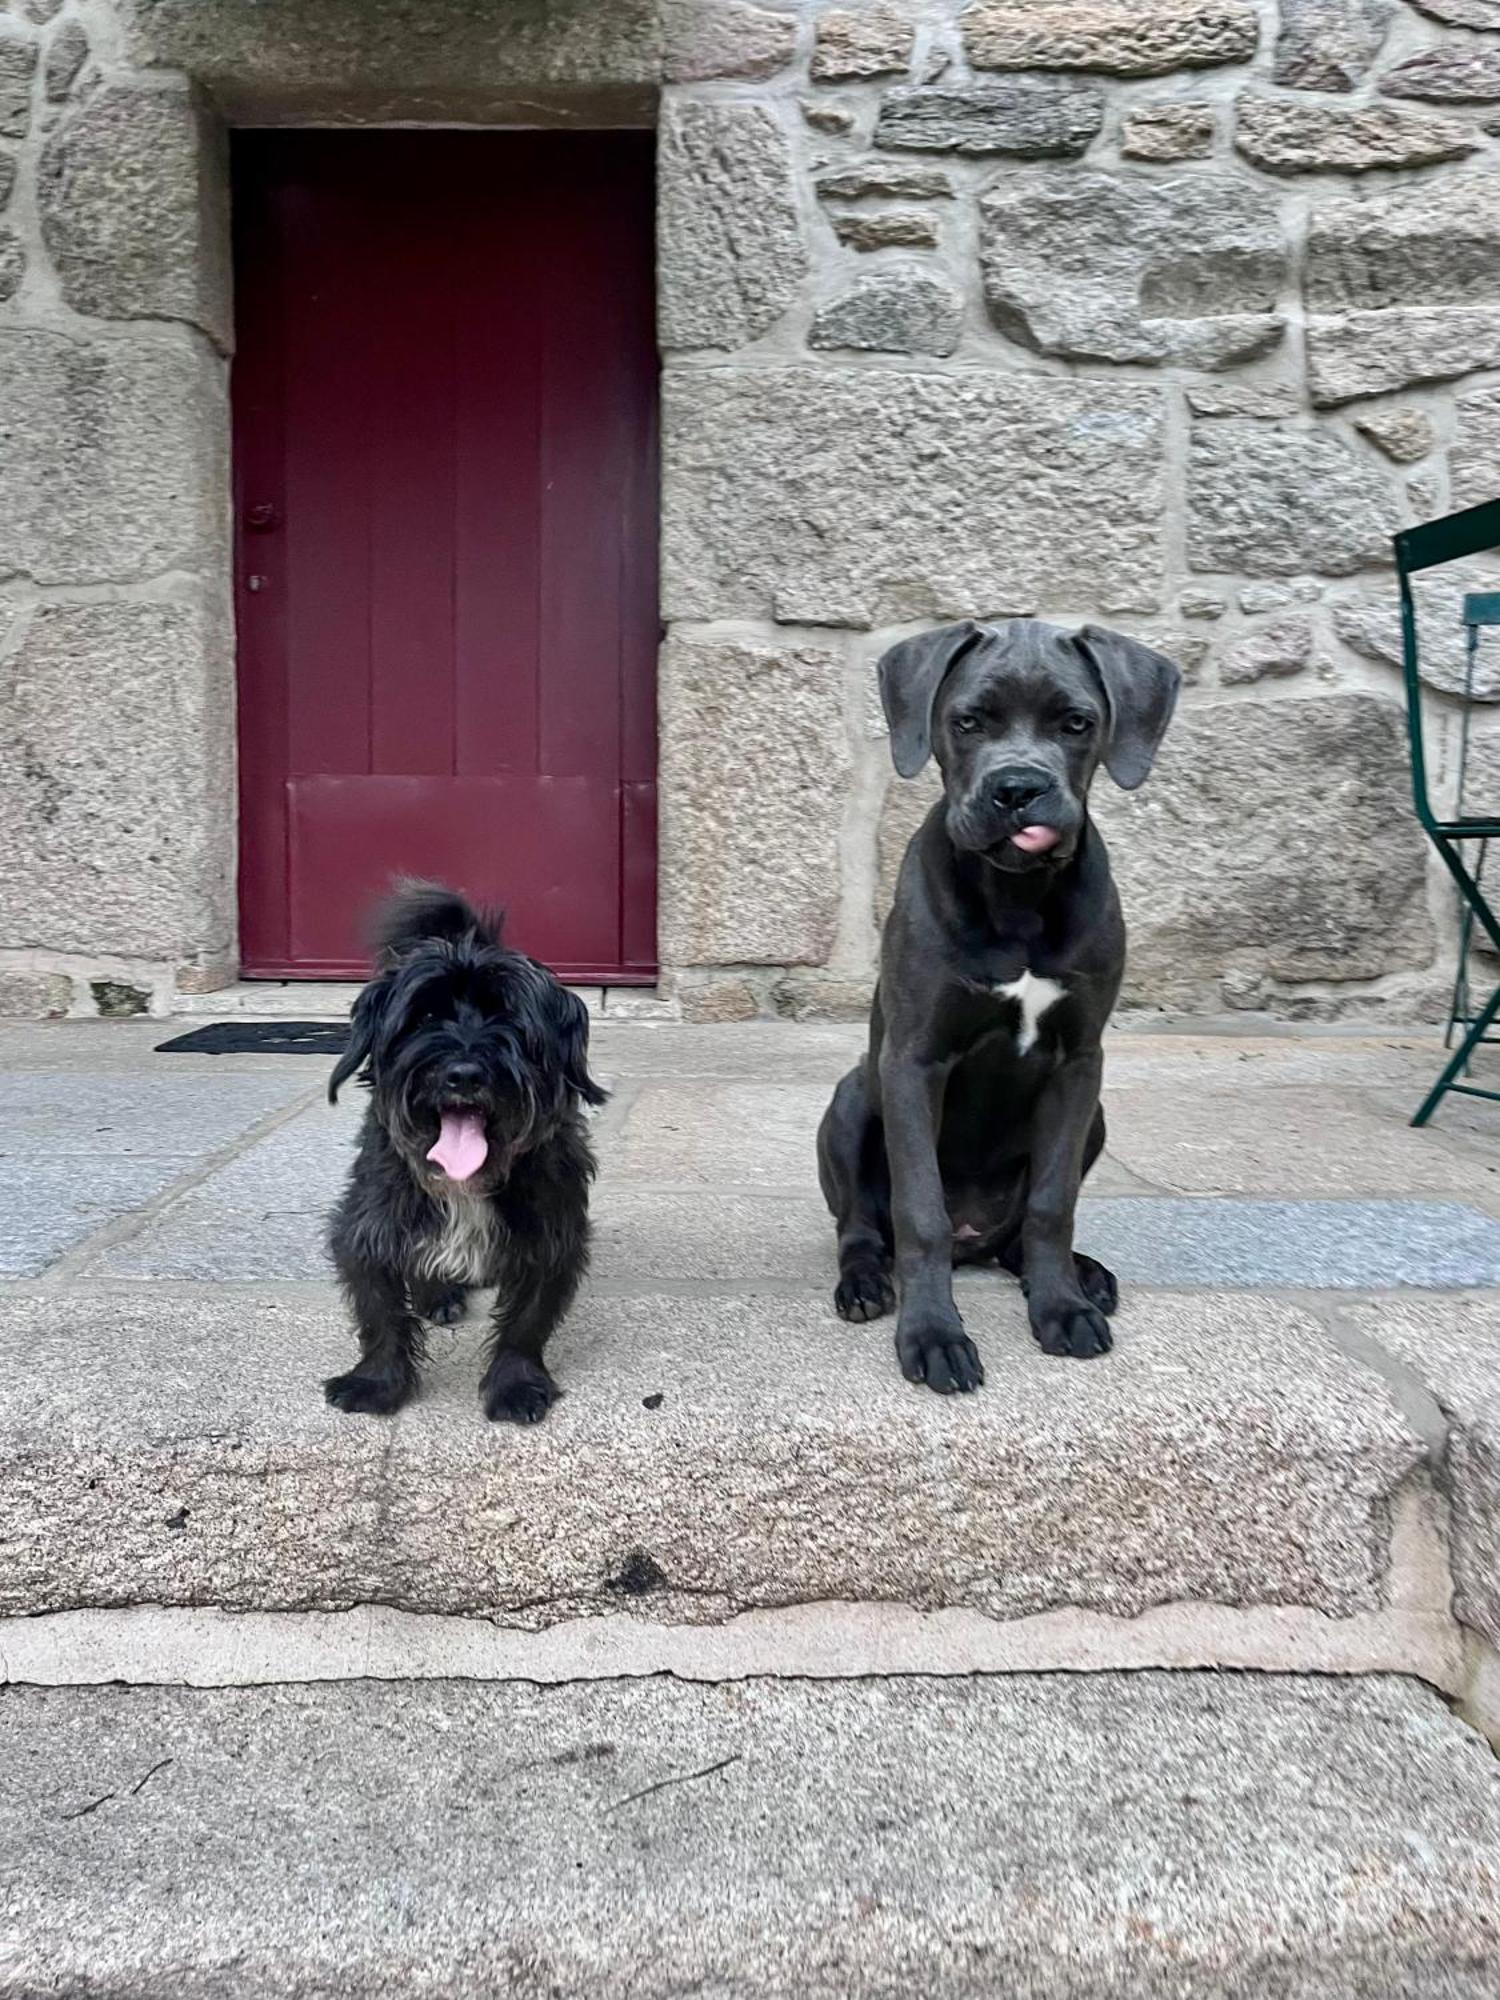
point(1160, 312)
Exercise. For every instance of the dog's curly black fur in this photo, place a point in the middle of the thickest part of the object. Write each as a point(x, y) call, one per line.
point(455, 1025)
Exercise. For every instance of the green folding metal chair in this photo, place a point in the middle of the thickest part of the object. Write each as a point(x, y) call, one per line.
point(1470, 533)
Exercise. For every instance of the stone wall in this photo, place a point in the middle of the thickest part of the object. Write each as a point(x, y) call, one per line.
point(1150, 311)
point(117, 775)
point(1162, 313)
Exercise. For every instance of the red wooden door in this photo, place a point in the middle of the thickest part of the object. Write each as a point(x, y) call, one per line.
point(446, 491)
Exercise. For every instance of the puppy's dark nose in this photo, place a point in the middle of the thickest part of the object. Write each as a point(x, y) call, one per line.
point(464, 1076)
point(1017, 786)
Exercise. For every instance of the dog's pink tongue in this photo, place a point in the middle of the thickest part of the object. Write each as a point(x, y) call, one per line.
point(461, 1147)
point(1036, 839)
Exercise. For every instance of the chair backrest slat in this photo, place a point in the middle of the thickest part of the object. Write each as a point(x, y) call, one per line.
point(1449, 540)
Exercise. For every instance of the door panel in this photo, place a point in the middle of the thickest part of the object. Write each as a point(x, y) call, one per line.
point(446, 487)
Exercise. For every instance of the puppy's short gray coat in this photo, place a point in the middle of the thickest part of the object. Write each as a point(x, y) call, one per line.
point(966, 1131)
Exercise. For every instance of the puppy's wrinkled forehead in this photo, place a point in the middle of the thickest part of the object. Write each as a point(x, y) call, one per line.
point(1018, 664)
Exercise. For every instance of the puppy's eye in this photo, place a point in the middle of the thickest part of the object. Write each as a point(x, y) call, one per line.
point(1077, 724)
point(965, 725)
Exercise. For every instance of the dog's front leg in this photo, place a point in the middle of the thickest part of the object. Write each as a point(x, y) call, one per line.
point(546, 1257)
point(390, 1339)
point(1062, 1317)
point(931, 1344)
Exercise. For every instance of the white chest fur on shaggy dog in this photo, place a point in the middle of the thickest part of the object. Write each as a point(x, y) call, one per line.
point(464, 1247)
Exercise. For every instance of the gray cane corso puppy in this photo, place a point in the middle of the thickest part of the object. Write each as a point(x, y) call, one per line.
point(965, 1132)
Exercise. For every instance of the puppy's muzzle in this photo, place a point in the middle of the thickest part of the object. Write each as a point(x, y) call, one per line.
point(1015, 813)
point(1014, 788)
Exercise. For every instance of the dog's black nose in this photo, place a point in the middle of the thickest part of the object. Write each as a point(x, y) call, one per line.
point(464, 1076)
point(1015, 786)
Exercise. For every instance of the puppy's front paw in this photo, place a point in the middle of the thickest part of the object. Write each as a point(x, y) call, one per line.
point(367, 1395)
point(863, 1292)
point(942, 1356)
point(518, 1390)
point(1071, 1327)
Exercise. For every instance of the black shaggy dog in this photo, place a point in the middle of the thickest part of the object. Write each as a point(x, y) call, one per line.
point(473, 1165)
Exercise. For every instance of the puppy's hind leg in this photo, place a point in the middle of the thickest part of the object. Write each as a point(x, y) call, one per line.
point(856, 1185)
point(1100, 1286)
point(1097, 1281)
point(546, 1257)
point(390, 1339)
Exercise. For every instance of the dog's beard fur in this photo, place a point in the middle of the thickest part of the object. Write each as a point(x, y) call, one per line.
point(457, 1034)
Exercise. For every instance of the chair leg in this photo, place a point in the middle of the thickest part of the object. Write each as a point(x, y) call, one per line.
point(1459, 1059)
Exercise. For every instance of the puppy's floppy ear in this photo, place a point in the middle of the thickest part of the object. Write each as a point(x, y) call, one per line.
point(418, 912)
point(364, 1018)
point(570, 1023)
point(910, 675)
point(1140, 691)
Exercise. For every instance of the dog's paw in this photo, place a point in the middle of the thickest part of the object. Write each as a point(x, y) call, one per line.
point(518, 1390)
point(366, 1395)
point(1072, 1328)
point(444, 1305)
point(863, 1292)
point(1098, 1282)
point(942, 1356)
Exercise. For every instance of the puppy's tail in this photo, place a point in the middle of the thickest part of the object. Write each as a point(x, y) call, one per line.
point(418, 911)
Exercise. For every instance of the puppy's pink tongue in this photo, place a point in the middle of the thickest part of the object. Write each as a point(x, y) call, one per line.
point(461, 1147)
point(1036, 839)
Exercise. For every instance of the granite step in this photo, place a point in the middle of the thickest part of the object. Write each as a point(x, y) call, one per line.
point(1036, 1837)
point(730, 1485)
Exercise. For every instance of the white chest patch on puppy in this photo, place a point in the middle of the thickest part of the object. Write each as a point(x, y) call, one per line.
point(1033, 996)
point(462, 1252)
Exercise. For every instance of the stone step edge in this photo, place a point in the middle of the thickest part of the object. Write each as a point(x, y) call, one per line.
point(1413, 1629)
point(1414, 1633)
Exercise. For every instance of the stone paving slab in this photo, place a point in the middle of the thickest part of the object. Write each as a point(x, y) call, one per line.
point(150, 1112)
point(803, 1051)
point(50, 1205)
point(80, 1150)
point(1048, 1837)
point(781, 1052)
point(1304, 1141)
point(1453, 1345)
point(129, 1046)
point(647, 1236)
point(263, 1217)
point(1313, 1141)
point(710, 1455)
point(724, 1134)
point(1314, 1245)
point(714, 1238)
point(1468, 1123)
point(1274, 1062)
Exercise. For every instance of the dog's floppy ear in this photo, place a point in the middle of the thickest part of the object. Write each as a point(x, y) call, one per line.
point(571, 1026)
point(910, 675)
point(1140, 691)
point(363, 1020)
point(418, 912)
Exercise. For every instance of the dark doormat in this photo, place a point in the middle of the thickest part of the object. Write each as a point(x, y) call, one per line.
point(260, 1038)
